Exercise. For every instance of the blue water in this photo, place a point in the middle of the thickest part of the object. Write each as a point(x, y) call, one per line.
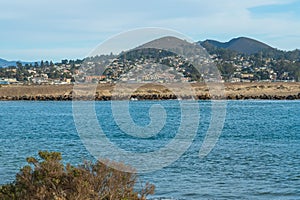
point(256, 157)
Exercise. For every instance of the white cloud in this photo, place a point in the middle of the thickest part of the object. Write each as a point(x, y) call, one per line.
point(35, 24)
point(223, 24)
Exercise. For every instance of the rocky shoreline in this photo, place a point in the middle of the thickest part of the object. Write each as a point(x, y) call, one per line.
point(105, 92)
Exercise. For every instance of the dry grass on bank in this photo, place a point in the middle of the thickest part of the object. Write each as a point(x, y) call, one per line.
point(246, 89)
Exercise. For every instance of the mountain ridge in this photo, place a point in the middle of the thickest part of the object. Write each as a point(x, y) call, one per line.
point(243, 45)
point(6, 63)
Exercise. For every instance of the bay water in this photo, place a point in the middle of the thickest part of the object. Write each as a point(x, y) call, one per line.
point(257, 155)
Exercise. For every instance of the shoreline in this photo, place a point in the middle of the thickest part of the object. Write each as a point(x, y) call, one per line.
point(105, 92)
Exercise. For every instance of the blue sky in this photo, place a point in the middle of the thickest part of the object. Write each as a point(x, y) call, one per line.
point(54, 30)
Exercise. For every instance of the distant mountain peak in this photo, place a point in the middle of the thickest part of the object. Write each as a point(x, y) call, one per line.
point(167, 42)
point(4, 63)
point(241, 44)
point(175, 45)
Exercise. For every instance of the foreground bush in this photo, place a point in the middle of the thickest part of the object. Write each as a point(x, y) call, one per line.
point(50, 179)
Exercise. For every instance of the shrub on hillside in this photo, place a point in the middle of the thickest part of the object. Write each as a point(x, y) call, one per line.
point(48, 178)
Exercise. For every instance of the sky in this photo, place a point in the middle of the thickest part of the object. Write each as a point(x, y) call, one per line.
point(34, 30)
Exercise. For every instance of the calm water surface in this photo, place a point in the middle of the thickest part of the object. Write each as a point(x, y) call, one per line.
point(256, 157)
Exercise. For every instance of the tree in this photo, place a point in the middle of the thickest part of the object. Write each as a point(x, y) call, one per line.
point(19, 64)
point(47, 63)
point(36, 64)
point(226, 69)
point(64, 62)
point(42, 63)
point(48, 178)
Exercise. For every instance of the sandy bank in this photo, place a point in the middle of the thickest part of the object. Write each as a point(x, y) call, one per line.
point(278, 90)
